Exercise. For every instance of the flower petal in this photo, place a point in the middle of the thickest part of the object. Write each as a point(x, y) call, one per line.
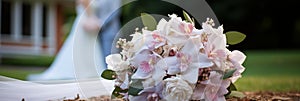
point(190, 75)
point(139, 57)
point(161, 24)
point(175, 37)
point(237, 56)
point(173, 70)
point(158, 74)
point(112, 60)
point(140, 74)
point(198, 93)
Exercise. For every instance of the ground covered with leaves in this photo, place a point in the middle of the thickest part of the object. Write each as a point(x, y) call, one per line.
point(268, 96)
point(249, 96)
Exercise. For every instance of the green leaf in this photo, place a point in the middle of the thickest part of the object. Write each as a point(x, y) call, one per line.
point(135, 87)
point(134, 91)
point(193, 21)
point(237, 94)
point(231, 87)
point(234, 37)
point(228, 73)
point(109, 74)
point(117, 91)
point(148, 21)
point(188, 18)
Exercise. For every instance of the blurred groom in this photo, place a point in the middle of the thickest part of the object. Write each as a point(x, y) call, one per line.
point(109, 14)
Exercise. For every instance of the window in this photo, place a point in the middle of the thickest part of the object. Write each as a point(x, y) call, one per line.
point(5, 17)
point(44, 18)
point(26, 19)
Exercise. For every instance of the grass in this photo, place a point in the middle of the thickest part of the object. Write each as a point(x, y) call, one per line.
point(277, 71)
point(17, 72)
point(20, 66)
point(27, 60)
point(269, 83)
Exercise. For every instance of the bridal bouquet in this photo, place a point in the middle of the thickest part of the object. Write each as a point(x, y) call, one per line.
point(176, 61)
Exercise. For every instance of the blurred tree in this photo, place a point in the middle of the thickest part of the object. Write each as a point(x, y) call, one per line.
point(135, 8)
point(267, 24)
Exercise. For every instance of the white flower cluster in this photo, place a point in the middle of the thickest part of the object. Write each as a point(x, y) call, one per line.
point(176, 62)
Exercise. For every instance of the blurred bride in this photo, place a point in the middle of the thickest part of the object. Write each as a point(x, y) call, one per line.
point(79, 57)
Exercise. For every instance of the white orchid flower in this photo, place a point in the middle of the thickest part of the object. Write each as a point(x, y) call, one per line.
point(237, 58)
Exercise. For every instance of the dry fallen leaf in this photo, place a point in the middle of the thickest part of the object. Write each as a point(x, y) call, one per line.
point(281, 98)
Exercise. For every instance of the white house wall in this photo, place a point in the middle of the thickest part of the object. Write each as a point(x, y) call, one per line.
point(34, 44)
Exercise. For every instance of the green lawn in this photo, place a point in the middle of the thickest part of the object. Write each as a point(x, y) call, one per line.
point(265, 70)
point(271, 71)
point(269, 83)
point(27, 60)
point(20, 66)
point(18, 72)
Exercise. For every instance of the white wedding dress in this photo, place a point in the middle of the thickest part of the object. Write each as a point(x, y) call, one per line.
point(16, 90)
point(75, 70)
point(80, 56)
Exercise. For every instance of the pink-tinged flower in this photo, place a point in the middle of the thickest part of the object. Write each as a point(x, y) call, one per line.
point(157, 37)
point(149, 94)
point(145, 63)
point(155, 41)
point(171, 31)
point(184, 61)
point(152, 59)
point(141, 74)
point(154, 44)
point(214, 40)
point(158, 73)
point(221, 91)
point(145, 66)
point(140, 62)
point(140, 56)
point(151, 41)
point(138, 41)
point(213, 89)
point(208, 28)
point(223, 87)
point(214, 44)
point(220, 54)
point(194, 61)
point(198, 92)
point(148, 37)
point(237, 58)
point(186, 28)
point(171, 64)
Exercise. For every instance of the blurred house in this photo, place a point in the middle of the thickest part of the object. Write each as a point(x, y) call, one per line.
point(32, 27)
